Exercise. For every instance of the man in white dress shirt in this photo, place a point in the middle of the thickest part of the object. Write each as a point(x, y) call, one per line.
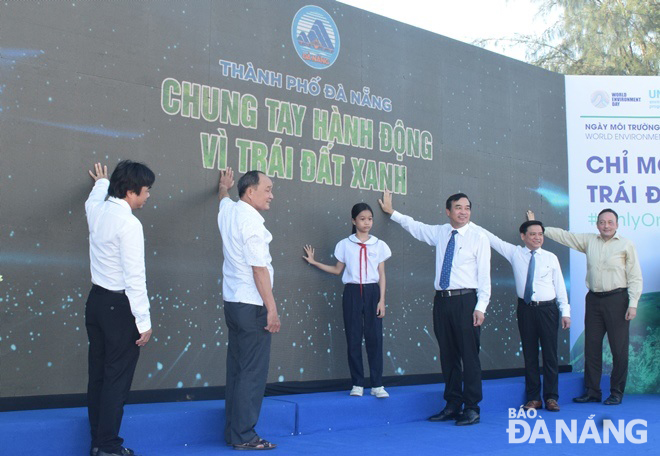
point(117, 311)
point(541, 298)
point(462, 283)
point(250, 309)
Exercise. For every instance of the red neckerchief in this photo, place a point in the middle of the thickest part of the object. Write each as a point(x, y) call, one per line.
point(363, 248)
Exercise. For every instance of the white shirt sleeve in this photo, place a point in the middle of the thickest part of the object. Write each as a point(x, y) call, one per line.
point(483, 274)
point(340, 252)
point(560, 288)
point(97, 195)
point(503, 248)
point(420, 231)
point(131, 250)
point(384, 251)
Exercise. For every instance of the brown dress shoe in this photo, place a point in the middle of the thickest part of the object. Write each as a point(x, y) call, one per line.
point(533, 405)
point(551, 405)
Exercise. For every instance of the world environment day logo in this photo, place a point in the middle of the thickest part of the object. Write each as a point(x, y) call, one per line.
point(315, 37)
point(600, 99)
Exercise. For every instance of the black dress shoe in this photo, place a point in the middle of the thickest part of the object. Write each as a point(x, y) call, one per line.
point(121, 452)
point(613, 400)
point(468, 417)
point(446, 415)
point(585, 398)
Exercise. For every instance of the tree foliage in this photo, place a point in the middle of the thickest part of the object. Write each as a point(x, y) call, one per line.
point(598, 37)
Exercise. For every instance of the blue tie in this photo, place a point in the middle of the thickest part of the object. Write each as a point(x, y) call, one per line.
point(446, 262)
point(529, 283)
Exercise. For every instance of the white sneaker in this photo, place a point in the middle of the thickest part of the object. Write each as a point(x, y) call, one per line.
point(379, 392)
point(357, 391)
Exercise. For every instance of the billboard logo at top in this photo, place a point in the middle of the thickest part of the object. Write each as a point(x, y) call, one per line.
point(600, 99)
point(315, 37)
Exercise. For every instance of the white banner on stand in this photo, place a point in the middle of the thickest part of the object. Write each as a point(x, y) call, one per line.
point(613, 134)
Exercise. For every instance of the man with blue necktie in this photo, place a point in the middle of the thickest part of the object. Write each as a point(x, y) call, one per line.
point(462, 283)
point(541, 298)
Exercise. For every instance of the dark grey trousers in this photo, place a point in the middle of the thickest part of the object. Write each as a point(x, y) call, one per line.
point(606, 315)
point(248, 356)
point(539, 324)
point(459, 345)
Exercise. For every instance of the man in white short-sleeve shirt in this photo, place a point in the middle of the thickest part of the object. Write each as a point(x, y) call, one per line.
point(249, 304)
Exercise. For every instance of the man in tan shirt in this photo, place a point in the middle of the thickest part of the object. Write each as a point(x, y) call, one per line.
point(614, 280)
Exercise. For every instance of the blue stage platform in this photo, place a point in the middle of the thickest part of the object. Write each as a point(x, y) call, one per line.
point(336, 424)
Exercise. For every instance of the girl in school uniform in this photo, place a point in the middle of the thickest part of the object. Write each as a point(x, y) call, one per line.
point(363, 257)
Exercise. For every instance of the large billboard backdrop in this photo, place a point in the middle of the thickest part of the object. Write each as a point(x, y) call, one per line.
point(334, 103)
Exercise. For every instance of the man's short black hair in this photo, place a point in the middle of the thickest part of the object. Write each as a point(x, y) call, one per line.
point(525, 226)
point(616, 216)
point(247, 180)
point(456, 197)
point(130, 175)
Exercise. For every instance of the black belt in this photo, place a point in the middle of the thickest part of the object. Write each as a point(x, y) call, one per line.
point(448, 293)
point(602, 294)
point(102, 290)
point(538, 303)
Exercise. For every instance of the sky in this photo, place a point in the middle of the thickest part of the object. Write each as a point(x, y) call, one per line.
point(465, 20)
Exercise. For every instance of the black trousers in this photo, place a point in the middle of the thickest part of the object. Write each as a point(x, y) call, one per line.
point(540, 324)
point(606, 315)
point(113, 356)
point(459, 349)
point(248, 355)
point(360, 320)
